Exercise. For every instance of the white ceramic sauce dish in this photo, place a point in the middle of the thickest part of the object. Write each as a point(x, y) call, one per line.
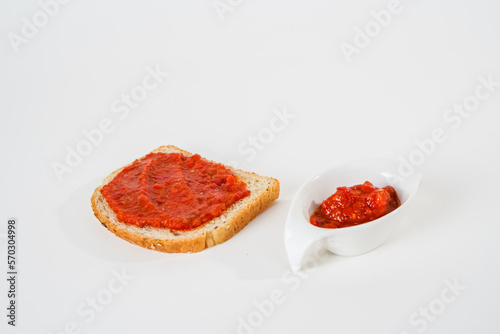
point(303, 240)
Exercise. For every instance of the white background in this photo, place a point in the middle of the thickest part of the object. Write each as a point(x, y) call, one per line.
point(227, 75)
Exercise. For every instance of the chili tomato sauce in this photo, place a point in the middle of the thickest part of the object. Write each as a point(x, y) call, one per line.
point(170, 190)
point(355, 205)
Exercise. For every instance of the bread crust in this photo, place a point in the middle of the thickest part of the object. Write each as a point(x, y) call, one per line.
point(264, 190)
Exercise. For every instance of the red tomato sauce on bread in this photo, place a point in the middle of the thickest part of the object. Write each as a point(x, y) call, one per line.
point(174, 191)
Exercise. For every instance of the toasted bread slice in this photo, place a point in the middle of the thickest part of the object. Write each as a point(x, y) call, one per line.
point(263, 191)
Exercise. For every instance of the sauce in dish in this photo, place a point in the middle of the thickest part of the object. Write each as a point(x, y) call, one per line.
point(355, 205)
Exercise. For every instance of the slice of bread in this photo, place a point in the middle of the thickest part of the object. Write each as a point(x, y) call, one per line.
point(263, 191)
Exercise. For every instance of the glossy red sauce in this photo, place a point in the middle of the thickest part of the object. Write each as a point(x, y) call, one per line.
point(172, 191)
point(355, 205)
